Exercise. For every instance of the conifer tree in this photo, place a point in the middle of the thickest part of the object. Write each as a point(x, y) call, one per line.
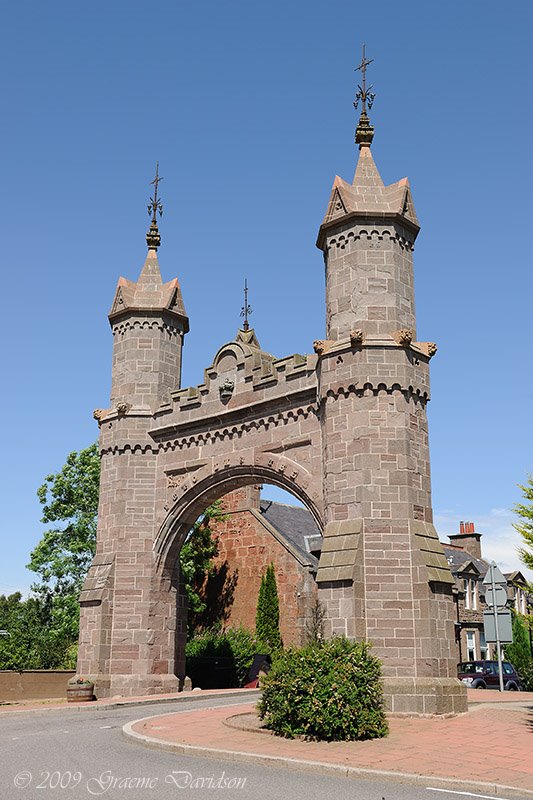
point(267, 615)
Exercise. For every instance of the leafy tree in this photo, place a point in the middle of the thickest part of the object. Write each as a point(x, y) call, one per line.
point(26, 621)
point(196, 560)
point(64, 554)
point(525, 526)
point(267, 614)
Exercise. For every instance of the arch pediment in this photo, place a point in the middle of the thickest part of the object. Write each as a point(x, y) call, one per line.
point(235, 354)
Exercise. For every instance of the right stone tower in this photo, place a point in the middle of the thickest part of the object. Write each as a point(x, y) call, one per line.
point(382, 575)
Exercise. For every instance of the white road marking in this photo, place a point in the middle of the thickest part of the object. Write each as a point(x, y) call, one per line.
point(467, 794)
point(105, 726)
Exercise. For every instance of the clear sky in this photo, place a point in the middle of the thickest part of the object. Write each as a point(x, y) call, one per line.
point(248, 107)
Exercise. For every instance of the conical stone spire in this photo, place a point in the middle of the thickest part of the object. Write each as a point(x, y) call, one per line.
point(367, 236)
point(149, 292)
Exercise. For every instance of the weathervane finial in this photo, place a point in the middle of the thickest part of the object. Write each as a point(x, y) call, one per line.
point(246, 310)
point(153, 239)
point(364, 132)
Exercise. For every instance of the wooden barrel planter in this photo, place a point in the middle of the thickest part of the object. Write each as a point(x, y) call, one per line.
point(80, 692)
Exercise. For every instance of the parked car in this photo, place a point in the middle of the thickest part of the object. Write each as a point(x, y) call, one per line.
point(485, 675)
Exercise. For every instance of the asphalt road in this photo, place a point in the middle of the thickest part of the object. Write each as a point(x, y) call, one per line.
point(80, 755)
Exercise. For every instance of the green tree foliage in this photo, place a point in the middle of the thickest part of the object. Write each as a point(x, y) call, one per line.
point(525, 526)
point(69, 497)
point(518, 652)
point(196, 560)
point(27, 644)
point(267, 614)
point(238, 644)
point(62, 557)
point(329, 690)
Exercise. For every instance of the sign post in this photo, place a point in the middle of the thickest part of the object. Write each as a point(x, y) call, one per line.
point(496, 598)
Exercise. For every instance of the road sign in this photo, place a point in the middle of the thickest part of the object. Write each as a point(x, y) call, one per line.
point(505, 627)
point(496, 596)
point(494, 575)
point(497, 622)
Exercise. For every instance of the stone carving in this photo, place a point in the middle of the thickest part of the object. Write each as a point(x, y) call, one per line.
point(321, 346)
point(357, 337)
point(173, 482)
point(100, 413)
point(404, 337)
point(123, 407)
point(226, 389)
point(432, 349)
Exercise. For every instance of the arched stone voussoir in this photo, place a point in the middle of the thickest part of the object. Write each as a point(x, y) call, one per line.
point(201, 487)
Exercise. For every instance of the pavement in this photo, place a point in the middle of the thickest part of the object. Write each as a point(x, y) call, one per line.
point(488, 750)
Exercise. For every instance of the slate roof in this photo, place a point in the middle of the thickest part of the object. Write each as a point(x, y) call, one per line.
point(295, 524)
point(458, 558)
point(298, 527)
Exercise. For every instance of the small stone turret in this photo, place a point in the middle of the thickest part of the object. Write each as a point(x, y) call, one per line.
point(367, 237)
point(149, 322)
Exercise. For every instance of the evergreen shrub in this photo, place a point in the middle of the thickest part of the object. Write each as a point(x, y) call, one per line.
point(267, 614)
point(329, 690)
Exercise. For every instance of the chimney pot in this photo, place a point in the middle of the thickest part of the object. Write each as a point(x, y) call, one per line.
point(461, 527)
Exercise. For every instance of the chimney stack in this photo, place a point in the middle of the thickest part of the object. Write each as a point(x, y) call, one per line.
point(468, 539)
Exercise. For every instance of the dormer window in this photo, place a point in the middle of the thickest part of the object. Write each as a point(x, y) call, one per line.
point(471, 593)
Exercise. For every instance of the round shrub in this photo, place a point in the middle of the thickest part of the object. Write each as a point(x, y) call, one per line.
point(330, 690)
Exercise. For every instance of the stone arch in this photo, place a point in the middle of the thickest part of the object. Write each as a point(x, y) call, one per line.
point(209, 483)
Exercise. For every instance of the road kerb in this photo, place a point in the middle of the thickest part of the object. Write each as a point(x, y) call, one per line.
point(182, 697)
point(321, 767)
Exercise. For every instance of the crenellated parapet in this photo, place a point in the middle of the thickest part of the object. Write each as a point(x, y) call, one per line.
point(241, 376)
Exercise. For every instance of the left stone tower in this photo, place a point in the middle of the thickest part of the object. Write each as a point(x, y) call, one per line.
point(121, 596)
point(149, 322)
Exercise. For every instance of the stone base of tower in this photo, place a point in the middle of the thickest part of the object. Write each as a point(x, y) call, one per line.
point(424, 696)
point(135, 685)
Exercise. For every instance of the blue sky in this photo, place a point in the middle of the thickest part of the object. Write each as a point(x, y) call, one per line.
point(248, 108)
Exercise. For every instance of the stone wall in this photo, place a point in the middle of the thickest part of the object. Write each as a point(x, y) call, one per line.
point(247, 544)
point(33, 684)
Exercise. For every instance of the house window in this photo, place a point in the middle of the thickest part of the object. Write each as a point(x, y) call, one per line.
point(520, 601)
point(483, 649)
point(471, 593)
point(471, 645)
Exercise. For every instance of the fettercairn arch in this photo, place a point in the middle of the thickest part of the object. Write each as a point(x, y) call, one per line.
point(344, 429)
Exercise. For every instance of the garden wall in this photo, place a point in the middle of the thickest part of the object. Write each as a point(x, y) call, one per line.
point(33, 684)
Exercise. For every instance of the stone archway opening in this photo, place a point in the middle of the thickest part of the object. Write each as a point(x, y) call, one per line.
point(252, 533)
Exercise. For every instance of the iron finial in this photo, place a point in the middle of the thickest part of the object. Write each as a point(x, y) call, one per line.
point(364, 132)
point(246, 310)
point(153, 239)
